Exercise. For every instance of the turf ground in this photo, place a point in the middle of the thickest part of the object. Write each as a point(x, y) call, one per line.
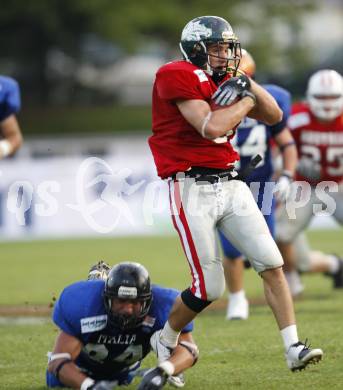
point(234, 355)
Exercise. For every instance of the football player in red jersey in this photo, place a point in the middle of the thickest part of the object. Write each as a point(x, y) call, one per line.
point(190, 145)
point(317, 127)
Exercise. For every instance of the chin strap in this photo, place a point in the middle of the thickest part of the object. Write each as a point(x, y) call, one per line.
point(218, 77)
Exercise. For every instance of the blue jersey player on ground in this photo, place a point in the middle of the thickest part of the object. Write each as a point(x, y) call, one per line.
point(108, 327)
point(254, 138)
point(10, 134)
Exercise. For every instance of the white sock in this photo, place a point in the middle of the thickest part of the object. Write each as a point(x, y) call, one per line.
point(169, 336)
point(333, 264)
point(239, 295)
point(289, 336)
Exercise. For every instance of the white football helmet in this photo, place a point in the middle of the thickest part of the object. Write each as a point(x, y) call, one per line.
point(325, 94)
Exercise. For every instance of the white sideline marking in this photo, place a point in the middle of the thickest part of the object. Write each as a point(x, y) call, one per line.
point(24, 320)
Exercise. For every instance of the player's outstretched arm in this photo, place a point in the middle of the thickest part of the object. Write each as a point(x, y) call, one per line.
point(12, 137)
point(185, 355)
point(61, 364)
point(266, 109)
point(67, 349)
point(288, 149)
point(286, 144)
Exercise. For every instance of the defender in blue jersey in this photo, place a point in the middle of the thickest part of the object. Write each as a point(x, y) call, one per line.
point(108, 327)
point(10, 134)
point(252, 138)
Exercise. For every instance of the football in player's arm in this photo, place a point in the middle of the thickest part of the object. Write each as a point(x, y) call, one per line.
point(108, 327)
point(10, 135)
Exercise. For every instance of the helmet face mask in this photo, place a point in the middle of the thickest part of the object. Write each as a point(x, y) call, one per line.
point(325, 94)
point(127, 283)
point(201, 35)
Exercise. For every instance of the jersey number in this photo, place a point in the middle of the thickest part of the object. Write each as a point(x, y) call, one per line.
point(255, 143)
point(132, 354)
point(99, 353)
point(333, 154)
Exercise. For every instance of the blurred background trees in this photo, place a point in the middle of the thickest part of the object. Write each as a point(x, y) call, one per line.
point(104, 53)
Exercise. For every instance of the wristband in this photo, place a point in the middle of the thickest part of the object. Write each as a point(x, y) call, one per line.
point(86, 383)
point(287, 174)
point(249, 94)
point(5, 148)
point(284, 146)
point(56, 356)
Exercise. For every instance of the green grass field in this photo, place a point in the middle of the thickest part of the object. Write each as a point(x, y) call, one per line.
point(234, 355)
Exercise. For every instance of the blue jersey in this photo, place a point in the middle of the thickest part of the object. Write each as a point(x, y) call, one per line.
point(253, 137)
point(9, 97)
point(109, 352)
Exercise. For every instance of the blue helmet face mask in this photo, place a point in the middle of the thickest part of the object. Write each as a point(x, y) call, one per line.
point(128, 282)
point(205, 31)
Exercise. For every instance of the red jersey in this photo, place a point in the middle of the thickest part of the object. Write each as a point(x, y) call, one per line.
point(175, 144)
point(320, 141)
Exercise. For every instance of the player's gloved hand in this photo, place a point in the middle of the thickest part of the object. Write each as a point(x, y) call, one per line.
point(309, 168)
point(282, 188)
point(154, 379)
point(103, 385)
point(230, 89)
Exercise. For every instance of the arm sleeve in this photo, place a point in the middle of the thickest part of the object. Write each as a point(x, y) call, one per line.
point(10, 97)
point(283, 99)
point(178, 85)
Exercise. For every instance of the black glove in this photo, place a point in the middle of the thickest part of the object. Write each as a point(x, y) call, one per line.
point(230, 89)
point(154, 379)
point(103, 385)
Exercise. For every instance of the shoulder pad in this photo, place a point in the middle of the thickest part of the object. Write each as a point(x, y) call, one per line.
point(298, 120)
point(201, 75)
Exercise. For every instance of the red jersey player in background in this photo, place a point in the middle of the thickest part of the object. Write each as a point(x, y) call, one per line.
point(317, 128)
point(191, 148)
